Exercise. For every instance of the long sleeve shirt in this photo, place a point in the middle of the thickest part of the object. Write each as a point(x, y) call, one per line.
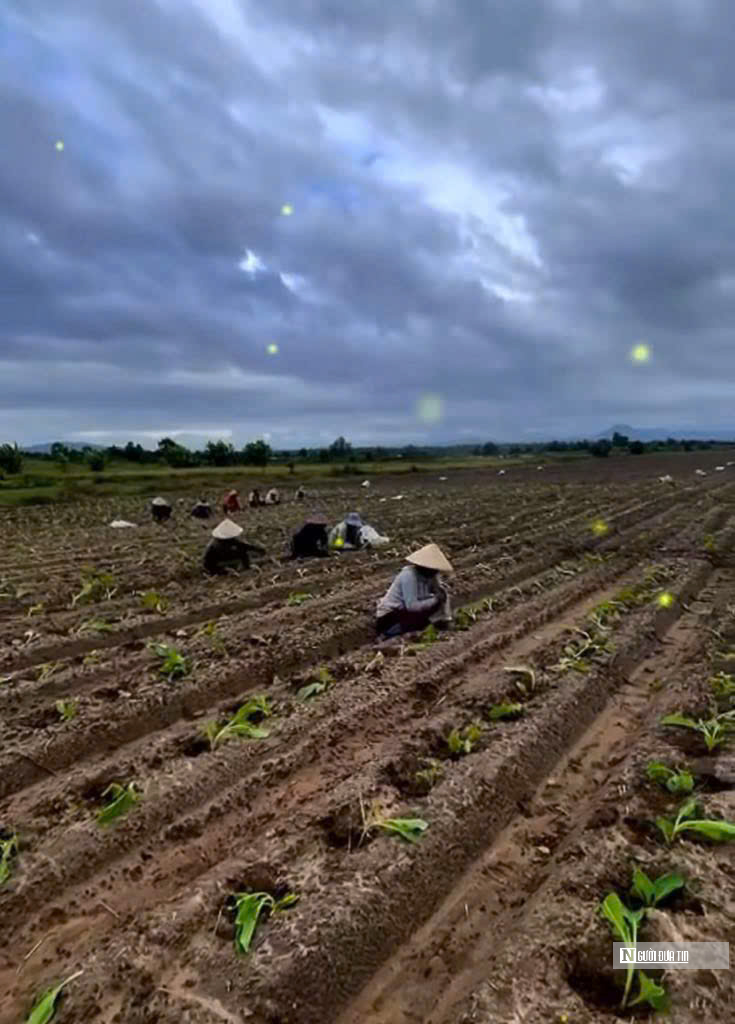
point(410, 590)
point(228, 554)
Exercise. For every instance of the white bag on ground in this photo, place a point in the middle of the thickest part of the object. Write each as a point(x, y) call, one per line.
point(371, 538)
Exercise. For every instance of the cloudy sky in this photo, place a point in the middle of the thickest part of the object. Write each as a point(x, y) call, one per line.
point(423, 220)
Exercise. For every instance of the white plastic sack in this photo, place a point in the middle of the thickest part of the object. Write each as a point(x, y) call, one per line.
point(121, 524)
point(371, 538)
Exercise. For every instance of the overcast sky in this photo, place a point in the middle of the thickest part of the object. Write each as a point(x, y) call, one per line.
point(425, 220)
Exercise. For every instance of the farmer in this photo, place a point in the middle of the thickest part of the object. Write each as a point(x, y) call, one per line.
point(254, 498)
point(273, 497)
point(311, 539)
point(226, 550)
point(300, 493)
point(346, 535)
point(417, 596)
point(202, 509)
point(160, 510)
point(231, 503)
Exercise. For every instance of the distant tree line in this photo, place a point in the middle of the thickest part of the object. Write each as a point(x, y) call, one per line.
point(340, 453)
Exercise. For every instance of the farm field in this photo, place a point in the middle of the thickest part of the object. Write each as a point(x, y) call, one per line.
point(591, 600)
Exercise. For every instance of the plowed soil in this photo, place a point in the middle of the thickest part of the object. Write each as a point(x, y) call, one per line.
point(596, 598)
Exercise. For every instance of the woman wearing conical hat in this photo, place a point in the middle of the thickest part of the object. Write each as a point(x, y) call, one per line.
point(160, 510)
point(226, 551)
point(231, 503)
point(311, 539)
point(417, 596)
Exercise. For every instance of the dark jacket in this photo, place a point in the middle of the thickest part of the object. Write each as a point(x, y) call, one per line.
point(201, 510)
point(221, 555)
point(161, 512)
point(310, 542)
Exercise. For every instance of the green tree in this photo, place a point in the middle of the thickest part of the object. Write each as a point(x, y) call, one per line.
point(11, 458)
point(257, 453)
point(620, 440)
point(636, 448)
point(601, 448)
point(490, 448)
point(340, 449)
point(219, 453)
point(96, 461)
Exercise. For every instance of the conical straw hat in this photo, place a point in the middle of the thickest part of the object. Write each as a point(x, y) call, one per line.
point(430, 557)
point(159, 502)
point(227, 530)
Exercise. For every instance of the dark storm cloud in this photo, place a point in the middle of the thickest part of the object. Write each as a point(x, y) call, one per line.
point(492, 202)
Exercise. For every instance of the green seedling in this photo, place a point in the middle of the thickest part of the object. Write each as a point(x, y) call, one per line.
point(211, 631)
point(676, 780)
point(67, 709)
point(154, 602)
point(469, 613)
point(714, 731)
point(240, 724)
point(429, 636)
point(249, 907)
point(528, 673)
point(94, 626)
point(47, 670)
point(8, 850)
point(175, 664)
point(723, 684)
point(96, 586)
point(624, 923)
point(93, 658)
point(45, 1008)
point(35, 609)
point(410, 829)
point(298, 597)
point(430, 774)
point(687, 820)
point(462, 741)
point(322, 680)
point(123, 800)
point(499, 711)
point(652, 892)
point(709, 544)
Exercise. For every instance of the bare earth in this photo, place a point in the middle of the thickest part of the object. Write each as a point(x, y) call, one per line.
point(492, 916)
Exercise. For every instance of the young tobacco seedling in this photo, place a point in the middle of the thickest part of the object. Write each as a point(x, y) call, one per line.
point(323, 678)
point(152, 601)
point(249, 906)
point(96, 586)
point(240, 724)
point(409, 829)
point(687, 820)
point(45, 1008)
point(67, 709)
point(297, 598)
point(723, 684)
point(461, 741)
point(624, 923)
point(8, 850)
point(505, 710)
point(675, 780)
point(528, 673)
point(175, 664)
point(714, 731)
point(123, 800)
point(430, 774)
point(652, 892)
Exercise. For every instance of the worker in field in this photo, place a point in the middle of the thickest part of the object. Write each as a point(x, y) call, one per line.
point(160, 510)
point(254, 498)
point(300, 493)
point(345, 536)
point(273, 497)
point(202, 509)
point(226, 551)
point(231, 503)
point(417, 596)
point(311, 539)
